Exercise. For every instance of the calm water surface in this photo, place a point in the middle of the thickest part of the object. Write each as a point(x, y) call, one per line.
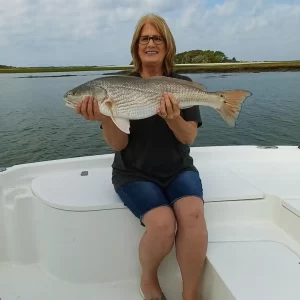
point(35, 124)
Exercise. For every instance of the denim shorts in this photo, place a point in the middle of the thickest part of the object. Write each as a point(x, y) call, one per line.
point(143, 196)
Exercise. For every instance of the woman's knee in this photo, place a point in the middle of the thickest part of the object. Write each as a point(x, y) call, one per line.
point(190, 214)
point(161, 222)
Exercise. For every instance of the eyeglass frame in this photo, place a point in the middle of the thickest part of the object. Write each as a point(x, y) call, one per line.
point(151, 38)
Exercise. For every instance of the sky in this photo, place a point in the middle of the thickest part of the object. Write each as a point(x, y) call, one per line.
point(99, 32)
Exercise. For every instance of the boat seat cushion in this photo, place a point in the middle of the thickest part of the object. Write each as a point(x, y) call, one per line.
point(91, 189)
point(273, 178)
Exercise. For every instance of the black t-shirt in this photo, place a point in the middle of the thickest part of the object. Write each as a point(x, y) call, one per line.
point(153, 152)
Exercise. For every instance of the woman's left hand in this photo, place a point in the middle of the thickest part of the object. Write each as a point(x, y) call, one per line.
point(169, 108)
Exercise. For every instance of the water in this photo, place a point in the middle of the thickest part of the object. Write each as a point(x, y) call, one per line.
point(35, 124)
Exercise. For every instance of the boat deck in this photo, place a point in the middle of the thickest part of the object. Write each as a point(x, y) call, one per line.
point(32, 283)
point(255, 267)
point(58, 243)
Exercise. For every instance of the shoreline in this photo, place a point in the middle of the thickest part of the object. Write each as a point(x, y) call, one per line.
point(252, 67)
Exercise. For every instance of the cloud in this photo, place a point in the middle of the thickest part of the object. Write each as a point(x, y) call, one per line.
point(256, 30)
point(95, 32)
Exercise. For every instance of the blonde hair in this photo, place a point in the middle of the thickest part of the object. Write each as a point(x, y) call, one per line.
point(161, 26)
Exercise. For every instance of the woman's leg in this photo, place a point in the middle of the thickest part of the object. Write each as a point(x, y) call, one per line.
point(191, 244)
point(149, 204)
point(191, 237)
point(155, 244)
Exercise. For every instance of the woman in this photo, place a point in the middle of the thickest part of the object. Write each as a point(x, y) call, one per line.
point(153, 172)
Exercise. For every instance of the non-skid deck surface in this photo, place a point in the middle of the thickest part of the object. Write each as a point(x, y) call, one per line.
point(30, 283)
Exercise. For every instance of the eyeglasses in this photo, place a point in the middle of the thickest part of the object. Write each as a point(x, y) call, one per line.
point(145, 39)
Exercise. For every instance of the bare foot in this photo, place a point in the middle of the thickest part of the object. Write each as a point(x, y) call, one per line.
point(150, 288)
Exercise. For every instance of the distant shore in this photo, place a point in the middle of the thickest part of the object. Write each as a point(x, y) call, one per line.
point(250, 67)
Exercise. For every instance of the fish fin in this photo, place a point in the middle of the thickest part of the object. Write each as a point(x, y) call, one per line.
point(109, 104)
point(232, 104)
point(179, 81)
point(122, 124)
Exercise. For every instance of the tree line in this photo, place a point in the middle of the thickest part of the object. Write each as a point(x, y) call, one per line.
point(4, 67)
point(202, 56)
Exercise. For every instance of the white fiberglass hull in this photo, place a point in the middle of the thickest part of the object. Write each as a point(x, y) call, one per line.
point(65, 234)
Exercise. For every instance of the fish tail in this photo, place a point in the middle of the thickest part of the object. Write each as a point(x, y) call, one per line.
point(231, 105)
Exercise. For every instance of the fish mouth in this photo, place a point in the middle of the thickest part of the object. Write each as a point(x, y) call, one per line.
point(71, 100)
point(67, 96)
point(70, 104)
point(68, 101)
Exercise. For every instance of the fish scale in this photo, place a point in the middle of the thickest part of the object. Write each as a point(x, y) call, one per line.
point(128, 107)
point(143, 99)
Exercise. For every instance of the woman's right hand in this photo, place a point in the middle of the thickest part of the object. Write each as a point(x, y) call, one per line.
point(89, 109)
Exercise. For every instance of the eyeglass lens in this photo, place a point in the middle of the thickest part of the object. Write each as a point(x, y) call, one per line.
point(145, 39)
